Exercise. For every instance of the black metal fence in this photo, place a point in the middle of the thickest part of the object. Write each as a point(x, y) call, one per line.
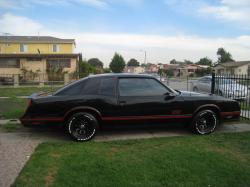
point(235, 87)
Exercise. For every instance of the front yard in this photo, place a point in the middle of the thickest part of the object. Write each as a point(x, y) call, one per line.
point(13, 107)
point(215, 160)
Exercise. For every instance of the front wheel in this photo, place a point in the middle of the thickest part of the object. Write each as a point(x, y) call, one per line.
point(204, 122)
point(82, 126)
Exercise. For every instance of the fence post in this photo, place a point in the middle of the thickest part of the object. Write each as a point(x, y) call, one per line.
point(66, 78)
point(213, 82)
point(16, 80)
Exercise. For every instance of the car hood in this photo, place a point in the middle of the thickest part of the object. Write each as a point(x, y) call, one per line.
point(186, 93)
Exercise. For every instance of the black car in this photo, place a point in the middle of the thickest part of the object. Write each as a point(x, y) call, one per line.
point(87, 104)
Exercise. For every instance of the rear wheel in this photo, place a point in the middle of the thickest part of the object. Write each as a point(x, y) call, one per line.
point(204, 122)
point(82, 126)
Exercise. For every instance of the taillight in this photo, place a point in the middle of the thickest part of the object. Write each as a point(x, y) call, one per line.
point(29, 103)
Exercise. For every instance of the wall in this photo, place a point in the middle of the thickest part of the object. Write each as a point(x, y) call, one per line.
point(32, 48)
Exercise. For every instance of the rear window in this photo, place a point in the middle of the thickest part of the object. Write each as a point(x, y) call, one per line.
point(74, 89)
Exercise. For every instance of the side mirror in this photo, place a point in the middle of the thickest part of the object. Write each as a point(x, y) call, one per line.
point(169, 95)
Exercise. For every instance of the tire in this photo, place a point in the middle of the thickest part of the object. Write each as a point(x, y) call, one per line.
point(204, 122)
point(82, 126)
point(195, 89)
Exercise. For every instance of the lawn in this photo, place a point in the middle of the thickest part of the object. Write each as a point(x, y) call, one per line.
point(12, 108)
point(215, 160)
point(24, 91)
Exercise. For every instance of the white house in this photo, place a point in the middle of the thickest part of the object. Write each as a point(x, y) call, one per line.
point(233, 68)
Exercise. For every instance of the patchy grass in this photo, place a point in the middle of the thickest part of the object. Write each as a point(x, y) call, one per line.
point(12, 108)
point(24, 91)
point(215, 160)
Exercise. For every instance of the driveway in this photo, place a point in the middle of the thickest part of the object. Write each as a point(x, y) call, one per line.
point(17, 147)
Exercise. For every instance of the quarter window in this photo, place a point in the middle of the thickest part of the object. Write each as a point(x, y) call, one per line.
point(141, 87)
point(92, 87)
point(107, 86)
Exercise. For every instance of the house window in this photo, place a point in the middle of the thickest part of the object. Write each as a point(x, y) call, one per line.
point(23, 48)
point(58, 63)
point(56, 48)
point(9, 63)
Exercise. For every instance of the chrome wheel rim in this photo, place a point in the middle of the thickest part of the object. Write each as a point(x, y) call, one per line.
point(82, 127)
point(206, 122)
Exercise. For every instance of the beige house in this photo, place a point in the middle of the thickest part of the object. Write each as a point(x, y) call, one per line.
point(36, 54)
point(233, 68)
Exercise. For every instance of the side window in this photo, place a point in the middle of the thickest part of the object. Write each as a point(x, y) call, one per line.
point(91, 87)
point(107, 86)
point(140, 87)
point(71, 90)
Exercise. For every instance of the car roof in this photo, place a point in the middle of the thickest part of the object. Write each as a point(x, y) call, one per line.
point(122, 75)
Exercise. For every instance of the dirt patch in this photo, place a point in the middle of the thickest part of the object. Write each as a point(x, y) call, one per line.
point(50, 177)
point(55, 155)
point(236, 154)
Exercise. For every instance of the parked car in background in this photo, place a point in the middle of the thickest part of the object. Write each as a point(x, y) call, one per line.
point(85, 105)
point(223, 86)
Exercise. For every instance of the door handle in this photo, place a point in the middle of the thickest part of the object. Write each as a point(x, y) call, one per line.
point(122, 103)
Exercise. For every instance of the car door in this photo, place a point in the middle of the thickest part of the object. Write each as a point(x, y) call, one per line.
point(146, 98)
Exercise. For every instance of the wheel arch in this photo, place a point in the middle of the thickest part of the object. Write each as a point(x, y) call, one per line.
point(87, 109)
point(212, 107)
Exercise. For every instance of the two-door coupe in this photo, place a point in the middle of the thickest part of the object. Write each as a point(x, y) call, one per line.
point(85, 105)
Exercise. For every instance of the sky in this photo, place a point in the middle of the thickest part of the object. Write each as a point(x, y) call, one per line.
point(165, 29)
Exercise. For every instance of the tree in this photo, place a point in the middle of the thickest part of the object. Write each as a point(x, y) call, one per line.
point(188, 62)
point(95, 62)
point(85, 69)
point(205, 61)
point(224, 56)
point(117, 63)
point(173, 61)
point(133, 62)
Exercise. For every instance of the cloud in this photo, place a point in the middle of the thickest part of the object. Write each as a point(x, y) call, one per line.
point(160, 48)
point(18, 25)
point(14, 4)
point(229, 11)
point(236, 12)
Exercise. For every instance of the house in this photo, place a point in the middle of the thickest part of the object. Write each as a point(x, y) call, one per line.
point(38, 54)
point(172, 67)
point(152, 68)
point(233, 68)
point(134, 69)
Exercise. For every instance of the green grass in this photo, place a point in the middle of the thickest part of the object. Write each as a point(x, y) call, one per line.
point(12, 108)
point(11, 127)
point(215, 160)
point(23, 91)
